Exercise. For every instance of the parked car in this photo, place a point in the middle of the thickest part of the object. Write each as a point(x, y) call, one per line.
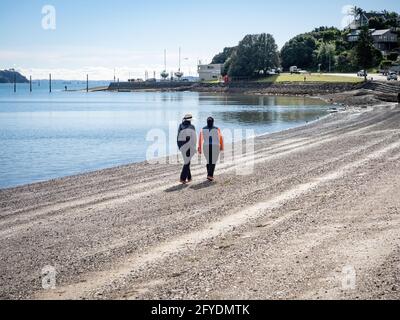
point(392, 76)
point(294, 69)
point(362, 73)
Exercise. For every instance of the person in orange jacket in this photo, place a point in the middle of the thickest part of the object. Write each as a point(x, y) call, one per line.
point(211, 143)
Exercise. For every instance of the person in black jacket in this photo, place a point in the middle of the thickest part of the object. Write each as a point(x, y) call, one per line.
point(186, 141)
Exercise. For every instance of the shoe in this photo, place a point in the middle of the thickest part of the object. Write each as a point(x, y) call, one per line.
point(189, 180)
point(210, 178)
point(182, 181)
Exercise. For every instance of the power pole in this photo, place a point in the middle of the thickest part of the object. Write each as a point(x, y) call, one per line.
point(30, 83)
point(329, 62)
point(15, 82)
point(50, 82)
point(87, 83)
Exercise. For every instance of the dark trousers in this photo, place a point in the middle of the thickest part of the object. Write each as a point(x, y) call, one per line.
point(211, 152)
point(210, 170)
point(186, 173)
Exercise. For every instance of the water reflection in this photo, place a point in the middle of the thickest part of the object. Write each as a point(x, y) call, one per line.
point(258, 100)
point(46, 136)
point(271, 116)
point(261, 111)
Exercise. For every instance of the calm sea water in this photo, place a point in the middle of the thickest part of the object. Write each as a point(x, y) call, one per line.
point(45, 136)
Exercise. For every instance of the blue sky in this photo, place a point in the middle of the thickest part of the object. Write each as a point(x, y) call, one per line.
point(96, 36)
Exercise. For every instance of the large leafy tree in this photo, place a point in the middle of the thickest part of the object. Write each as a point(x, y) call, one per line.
point(364, 51)
point(266, 53)
point(326, 56)
point(299, 52)
point(223, 56)
point(255, 53)
point(242, 62)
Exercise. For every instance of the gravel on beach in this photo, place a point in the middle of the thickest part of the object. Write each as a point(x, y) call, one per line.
point(318, 218)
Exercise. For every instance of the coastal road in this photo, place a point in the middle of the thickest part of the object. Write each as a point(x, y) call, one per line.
point(375, 76)
point(319, 218)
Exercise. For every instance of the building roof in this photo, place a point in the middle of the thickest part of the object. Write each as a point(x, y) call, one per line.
point(374, 14)
point(380, 32)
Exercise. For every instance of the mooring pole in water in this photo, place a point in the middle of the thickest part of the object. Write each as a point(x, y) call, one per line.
point(118, 85)
point(15, 82)
point(87, 83)
point(50, 82)
point(30, 83)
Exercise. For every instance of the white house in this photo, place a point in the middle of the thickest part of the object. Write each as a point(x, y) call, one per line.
point(208, 72)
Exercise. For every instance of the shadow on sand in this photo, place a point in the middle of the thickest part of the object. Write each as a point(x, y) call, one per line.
point(203, 185)
point(176, 188)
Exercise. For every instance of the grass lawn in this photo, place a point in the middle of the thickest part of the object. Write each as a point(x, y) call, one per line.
point(211, 81)
point(314, 77)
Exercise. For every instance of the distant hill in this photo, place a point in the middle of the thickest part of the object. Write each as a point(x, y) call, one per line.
point(7, 76)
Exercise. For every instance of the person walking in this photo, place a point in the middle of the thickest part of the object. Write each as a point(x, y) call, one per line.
point(186, 141)
point(211, 143)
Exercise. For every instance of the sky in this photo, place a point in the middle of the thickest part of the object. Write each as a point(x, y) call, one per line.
point(128, 37)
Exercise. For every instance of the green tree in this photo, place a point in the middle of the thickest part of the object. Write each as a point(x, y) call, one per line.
point(344, 62)
point(376, 23)
point(223, 56)
point(242, 61)
point(365, 54)
point(326, 56)
point(255, 53)
point(267, 56)
point(299, 52)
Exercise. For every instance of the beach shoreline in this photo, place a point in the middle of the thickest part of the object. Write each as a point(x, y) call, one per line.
point(313, 206)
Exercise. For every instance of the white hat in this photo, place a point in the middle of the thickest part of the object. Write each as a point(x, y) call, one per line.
point(188, 117)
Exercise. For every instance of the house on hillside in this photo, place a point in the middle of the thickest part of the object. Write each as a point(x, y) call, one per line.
point(360, 22)
point(363, 20)
point(209, 72)
point(384, 40)
point(353, 35)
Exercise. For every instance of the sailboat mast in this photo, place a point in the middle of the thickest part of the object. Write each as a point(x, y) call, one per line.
point(179, 59)
point(165, 59)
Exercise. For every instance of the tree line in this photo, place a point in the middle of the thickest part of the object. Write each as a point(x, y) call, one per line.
point(323, 49)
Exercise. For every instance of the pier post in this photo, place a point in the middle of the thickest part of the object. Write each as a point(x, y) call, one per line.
point(15, 82)
point(50, 82)
point(87, 83)
point(118, 85)
point(30, 83)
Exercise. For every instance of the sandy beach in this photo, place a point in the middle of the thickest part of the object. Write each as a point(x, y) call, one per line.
point(324, 199)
